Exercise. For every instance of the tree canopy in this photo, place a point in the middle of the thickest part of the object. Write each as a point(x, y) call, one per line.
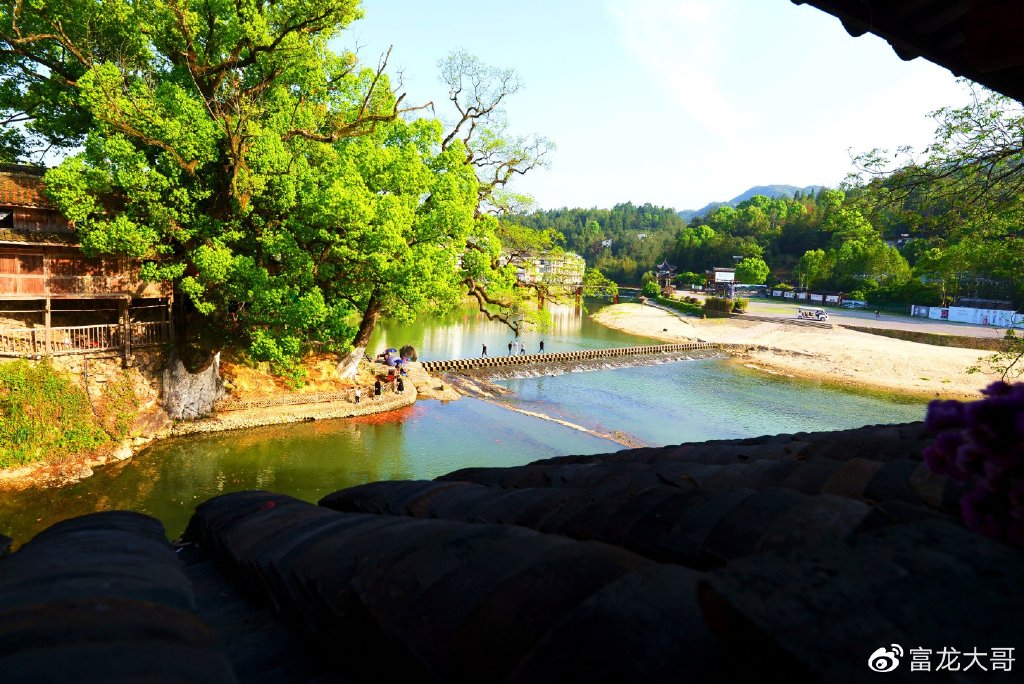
point(284, 189)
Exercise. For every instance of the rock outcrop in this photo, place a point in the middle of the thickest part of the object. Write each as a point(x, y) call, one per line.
point(188, 396)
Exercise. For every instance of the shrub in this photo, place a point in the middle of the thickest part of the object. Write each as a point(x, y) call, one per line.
point(42, 415)
point(120, 407)
point(650, 289)
point(690, 308)
point(739, 305)
point(718, 306)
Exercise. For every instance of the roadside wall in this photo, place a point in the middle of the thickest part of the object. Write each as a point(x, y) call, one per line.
point(999, 318)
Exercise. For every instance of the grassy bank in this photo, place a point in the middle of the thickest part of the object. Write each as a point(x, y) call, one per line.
point(44, 415)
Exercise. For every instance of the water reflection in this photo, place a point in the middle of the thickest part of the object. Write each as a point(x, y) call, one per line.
point(462, 333)
point(666, 404)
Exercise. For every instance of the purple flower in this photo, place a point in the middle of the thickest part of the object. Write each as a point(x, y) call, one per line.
point(943, 414)
point(978, 510)
point(949, 442)
point(997, 389)
point(969, 458)
point(935, 460)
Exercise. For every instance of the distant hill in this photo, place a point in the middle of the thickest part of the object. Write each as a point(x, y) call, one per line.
point(766, 190)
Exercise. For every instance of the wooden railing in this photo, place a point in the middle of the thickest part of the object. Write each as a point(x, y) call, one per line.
point(19, 341)
point(84, 338)
point(80, 339)
point(151, 334)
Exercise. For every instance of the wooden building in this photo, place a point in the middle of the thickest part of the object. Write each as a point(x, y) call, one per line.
point(54, 299)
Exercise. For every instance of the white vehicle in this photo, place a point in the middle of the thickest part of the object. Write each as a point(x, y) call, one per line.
point(814, 314)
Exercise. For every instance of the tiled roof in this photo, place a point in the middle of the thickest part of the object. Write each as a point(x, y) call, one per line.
point(979, 39)
point(782, 558)
point(19, 189)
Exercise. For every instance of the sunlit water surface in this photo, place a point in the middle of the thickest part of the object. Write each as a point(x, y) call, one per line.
point(663, 404)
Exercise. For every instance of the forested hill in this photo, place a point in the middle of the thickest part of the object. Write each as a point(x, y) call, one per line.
point(624, 241)
point(772, 191)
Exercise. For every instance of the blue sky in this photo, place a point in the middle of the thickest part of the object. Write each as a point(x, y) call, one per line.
point(672, 102)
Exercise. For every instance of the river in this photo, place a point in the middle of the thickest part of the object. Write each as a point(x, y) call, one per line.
point(663, 404)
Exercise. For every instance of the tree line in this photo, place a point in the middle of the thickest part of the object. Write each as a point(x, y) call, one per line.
point(941, 226)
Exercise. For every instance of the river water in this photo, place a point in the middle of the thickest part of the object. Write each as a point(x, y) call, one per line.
point(662, 404)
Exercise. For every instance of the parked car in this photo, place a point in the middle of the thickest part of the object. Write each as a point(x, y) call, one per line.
point(813, 314)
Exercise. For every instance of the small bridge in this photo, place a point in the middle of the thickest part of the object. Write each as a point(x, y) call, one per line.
point(554, 357)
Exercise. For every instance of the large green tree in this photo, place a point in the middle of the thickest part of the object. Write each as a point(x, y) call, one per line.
point(274, 182)
point(196, 133)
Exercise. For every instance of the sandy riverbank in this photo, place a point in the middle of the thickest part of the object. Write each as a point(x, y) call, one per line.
point(839, 356)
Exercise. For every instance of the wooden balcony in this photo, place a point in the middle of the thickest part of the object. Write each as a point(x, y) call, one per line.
point(43, 273)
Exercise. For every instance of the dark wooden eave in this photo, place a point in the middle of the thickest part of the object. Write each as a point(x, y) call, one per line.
point(978, 39)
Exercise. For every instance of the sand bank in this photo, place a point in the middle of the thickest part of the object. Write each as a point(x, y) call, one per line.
point(838, 356)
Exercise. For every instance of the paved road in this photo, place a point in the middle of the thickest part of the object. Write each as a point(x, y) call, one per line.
point(866, 319)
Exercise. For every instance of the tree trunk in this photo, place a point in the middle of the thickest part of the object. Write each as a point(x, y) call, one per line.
point(349, 365)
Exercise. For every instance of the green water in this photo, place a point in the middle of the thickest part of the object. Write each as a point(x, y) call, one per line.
point(663, 404)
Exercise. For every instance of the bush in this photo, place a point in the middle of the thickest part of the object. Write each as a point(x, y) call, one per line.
point(739, 305)
point(718, 307)
point(691, 308)
point(43, 415)
point(120, 407)
point(651, 289)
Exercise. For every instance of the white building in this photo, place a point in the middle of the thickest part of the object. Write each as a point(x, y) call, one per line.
point(565, 269)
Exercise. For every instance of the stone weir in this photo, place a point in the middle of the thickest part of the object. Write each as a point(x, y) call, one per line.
point(586, 355)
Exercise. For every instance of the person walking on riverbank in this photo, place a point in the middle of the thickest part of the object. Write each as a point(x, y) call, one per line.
point(542, 346)
point(401, 386)
point(484, 351)
point(357, 396)
point(376, 389)
point(510, 349)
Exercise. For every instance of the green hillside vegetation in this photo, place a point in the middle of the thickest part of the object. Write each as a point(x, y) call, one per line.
point(933, 230)
point(640, 236)
point(770, 191)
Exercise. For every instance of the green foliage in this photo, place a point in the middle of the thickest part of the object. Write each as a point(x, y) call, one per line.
point(689, 308)
point(650, 289)
point(629, 254)
point(119, 407)
point(43, 415)
point(752, 271)
point(1008, 362)
point(740, 304)
point(595, 284)
point(718, 306)
point(688, 278)
point(228, 147)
